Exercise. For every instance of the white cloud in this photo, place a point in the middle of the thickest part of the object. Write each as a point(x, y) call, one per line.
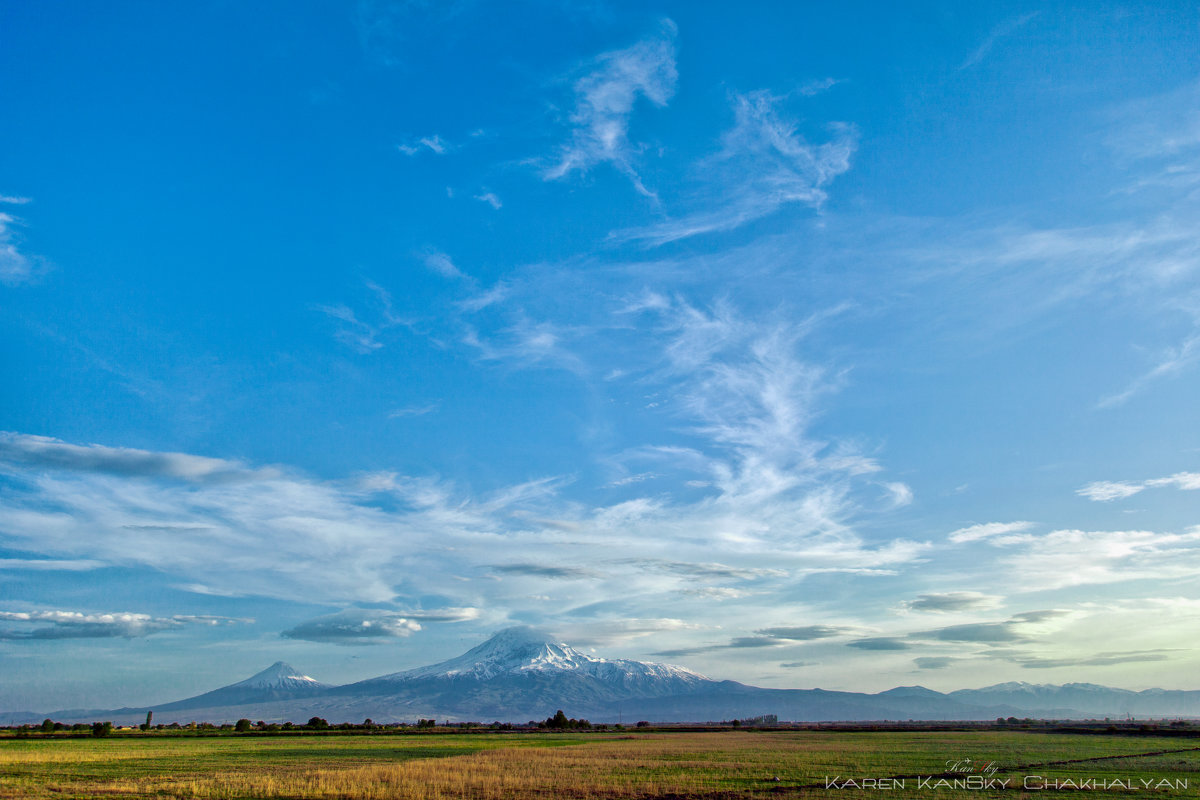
point(900, 493)
point(777, 503)
point(765, 163)
point(1064, 558)
point(1107, 491)
point(483, 299)
point(354, 626)
point(15, 266)
point(1159, 136)
point(363, 333)
point(604, 101)
point(47, 625)
point(442, 264)
point(974, 533)
point(529, 344)
point(491, 199)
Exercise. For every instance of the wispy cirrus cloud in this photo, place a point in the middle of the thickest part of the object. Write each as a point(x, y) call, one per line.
point(1158, 138)
point(777, 505)
point(434, 144)
point(1005, 28)
point(16, 267)
point(413, 411)
point(491, 199)
point(1172, 362)
point(1064, 558)
point(1107, 491)
point(764, 164)
point(48, 625)
point(604, 104)
point(441, 263)
point(987, 530)
point(362, 330)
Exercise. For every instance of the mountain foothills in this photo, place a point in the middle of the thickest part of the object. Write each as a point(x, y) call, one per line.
point(520, 675)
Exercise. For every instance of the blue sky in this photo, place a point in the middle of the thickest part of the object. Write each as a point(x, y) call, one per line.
point(806, 346)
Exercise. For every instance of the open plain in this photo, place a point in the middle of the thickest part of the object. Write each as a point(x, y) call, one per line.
point(623, 764)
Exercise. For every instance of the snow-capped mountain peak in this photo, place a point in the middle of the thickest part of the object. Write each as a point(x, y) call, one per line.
point(524, 650)
point(278, 676)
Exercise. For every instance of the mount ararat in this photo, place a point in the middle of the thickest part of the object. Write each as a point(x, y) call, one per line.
point(520, 675)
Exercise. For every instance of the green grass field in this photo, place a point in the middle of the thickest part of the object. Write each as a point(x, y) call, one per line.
point(606, 765)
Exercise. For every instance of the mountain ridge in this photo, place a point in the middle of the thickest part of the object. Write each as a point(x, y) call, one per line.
point(519, 674)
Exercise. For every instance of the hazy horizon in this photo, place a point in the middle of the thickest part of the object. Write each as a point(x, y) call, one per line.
point(802, 346)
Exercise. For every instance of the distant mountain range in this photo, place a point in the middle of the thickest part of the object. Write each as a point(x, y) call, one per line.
point(520, 675)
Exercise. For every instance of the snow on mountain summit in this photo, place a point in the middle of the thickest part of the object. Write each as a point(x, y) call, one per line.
point(278, 676)
point(524, 650)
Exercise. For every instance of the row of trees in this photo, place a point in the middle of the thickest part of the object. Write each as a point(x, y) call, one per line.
point(559, 721)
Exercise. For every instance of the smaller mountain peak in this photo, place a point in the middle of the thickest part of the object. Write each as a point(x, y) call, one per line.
point(279, 673)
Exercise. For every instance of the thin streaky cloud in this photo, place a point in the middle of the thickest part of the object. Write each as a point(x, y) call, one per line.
point(1174, 361)
point(604, 103)
point(1065, 558)
point(933, 662)
point(997, 33)
point(803, 633)
point(412, 411)
point(879, 643)
point(362, 333)
point(442, 264)
point(435, 144)
point(764, 164)
point(949, 602)
point(1107, 491)
point(15, 267)
point(974, 533)
point(816, 87)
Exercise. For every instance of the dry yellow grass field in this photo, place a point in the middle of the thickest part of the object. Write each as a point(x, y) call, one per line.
point(522, 767)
